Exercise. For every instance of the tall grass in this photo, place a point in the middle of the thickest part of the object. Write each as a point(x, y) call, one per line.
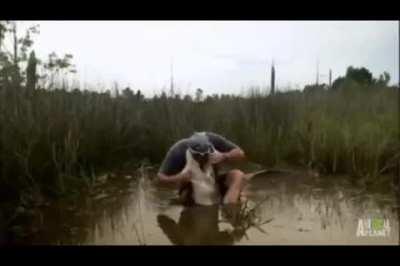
point(52, 141)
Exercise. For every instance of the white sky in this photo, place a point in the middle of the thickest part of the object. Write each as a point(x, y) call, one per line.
point(219, 56)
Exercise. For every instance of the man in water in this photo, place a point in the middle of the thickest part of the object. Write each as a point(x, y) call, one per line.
point(204, 147)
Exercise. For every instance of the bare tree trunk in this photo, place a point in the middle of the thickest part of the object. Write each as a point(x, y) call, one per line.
point(1, 37)
point(31, 77)
point(1, 42)
point(171, 89)
point(272, 79)
point(15, 74)
point(15, 58)
point(2, 32)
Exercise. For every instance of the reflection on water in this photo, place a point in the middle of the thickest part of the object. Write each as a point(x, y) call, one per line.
point(200, 225)
point(280, 210)
point(196, 226)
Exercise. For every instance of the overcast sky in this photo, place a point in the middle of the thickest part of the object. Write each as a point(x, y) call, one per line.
point(219, 56)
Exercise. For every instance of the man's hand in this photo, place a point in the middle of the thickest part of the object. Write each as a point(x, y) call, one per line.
point(185, 176)
point(182, 177)
point(234, 155)
point(217, 157)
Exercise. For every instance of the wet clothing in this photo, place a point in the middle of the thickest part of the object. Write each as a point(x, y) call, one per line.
point(186, 190)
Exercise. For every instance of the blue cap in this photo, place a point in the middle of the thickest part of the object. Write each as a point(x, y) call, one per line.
point(199, 143)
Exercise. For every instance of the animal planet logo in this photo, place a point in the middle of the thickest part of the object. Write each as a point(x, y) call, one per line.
point(373, 227)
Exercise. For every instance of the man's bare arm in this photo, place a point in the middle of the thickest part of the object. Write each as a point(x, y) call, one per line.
point(236, 154)
point(174, 179)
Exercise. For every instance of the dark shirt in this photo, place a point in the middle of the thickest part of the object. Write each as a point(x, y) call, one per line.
point(175, 160)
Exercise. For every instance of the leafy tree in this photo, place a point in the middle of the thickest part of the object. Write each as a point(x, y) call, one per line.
point(163, 96)
point(187, 98)
point(10, 61)
point(384, 79)
point(10, 71)
point(4, 62)
point(3, 29)
point(338, 83)
point(139, 96)
point(56, 67)
point(360, 75)
point(127, 93)
point(314, 88)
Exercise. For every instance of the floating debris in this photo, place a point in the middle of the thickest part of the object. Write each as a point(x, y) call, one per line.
point(102, 178)
point(73, 230)
point(35, 230)
point(71, 208)
point(112, 175)
point(100, 196)
point(20, 210)
point(278, 226)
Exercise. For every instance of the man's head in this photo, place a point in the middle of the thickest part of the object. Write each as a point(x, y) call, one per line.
point(200, 147)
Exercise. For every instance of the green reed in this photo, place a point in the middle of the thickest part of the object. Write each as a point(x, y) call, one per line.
point(53, 141)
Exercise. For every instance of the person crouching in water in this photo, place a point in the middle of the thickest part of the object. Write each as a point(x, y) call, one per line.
point(194, 164)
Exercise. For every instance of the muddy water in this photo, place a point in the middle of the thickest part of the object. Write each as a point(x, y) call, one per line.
point(281, 209)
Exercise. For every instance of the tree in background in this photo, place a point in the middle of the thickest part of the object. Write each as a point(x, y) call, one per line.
point(3, 29)
point(338, 83)
point(187, 98)
point(361, 76)
point(56, 67)
point(139, 95)
point(315, 88)
point(12, 58)
point(384, 79)
point(10, 61)
point(199, 95)
point(4, 63)
point(31, 75)
point(127, 93)
point(272, 79)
